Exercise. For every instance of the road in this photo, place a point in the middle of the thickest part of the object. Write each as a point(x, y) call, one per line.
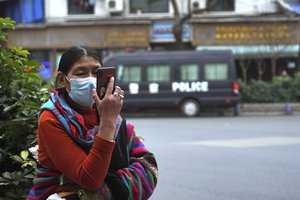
point(224, 158)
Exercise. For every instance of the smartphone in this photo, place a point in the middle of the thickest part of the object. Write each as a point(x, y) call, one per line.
point(103, 76)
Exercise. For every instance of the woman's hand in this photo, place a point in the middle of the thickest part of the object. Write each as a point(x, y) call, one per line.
point(108, 109)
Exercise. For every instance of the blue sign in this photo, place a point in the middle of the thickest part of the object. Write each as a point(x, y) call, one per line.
point(164, 31)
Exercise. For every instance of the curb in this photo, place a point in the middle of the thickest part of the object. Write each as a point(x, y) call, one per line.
point(270, 109)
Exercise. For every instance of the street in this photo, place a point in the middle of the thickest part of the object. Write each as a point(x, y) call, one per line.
point(222, 158)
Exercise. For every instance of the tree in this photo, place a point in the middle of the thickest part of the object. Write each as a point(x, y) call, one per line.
point(21, 95)
point(244, 64)
point(179, 20)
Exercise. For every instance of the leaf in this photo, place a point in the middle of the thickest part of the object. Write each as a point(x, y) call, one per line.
point(2, 179)
point(16, 158)
point(26, 113)
point(35, 77)
point(33, 63)
point(15, 182)
point(7, 175)
point(24, 155)
point(20, 51)
point(29, 176)
point(7, 22)
point(8, 108)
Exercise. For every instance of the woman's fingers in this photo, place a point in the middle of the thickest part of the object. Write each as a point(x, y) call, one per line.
point(110, 86)
point(118, 92)
point(96, 97)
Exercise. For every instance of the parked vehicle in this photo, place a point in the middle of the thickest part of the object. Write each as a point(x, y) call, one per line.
point(188, 80)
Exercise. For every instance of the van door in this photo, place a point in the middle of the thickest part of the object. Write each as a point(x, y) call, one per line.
point(216, 73)
point(146, 84)
point(157, 88)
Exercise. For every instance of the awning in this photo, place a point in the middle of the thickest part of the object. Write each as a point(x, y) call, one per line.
point(295, 7)
point(292, 7)
point(258, 51)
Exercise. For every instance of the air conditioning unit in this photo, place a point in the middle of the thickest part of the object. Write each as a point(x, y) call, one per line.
point(114, 6)
point(198, 4)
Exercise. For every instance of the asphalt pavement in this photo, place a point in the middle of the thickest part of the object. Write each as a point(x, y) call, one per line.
point(224, 158)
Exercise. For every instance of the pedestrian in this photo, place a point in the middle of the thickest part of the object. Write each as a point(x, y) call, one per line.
point(86, 150)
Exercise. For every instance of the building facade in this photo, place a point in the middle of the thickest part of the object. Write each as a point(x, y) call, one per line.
point(264, 35)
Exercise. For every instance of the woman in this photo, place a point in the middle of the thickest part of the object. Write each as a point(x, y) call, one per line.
point(86, 150)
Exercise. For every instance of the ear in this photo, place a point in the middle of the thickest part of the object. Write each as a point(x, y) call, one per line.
point(62, 81)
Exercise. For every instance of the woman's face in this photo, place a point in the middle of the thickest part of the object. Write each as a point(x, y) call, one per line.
point(80, 92)
point(84, 67)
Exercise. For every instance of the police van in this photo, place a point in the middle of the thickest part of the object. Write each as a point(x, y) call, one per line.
point(187, 80)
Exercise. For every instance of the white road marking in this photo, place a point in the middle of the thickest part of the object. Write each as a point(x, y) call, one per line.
point(245, 143)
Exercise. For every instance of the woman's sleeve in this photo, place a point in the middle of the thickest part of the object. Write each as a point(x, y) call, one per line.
point(58, 151)
point(140, 178)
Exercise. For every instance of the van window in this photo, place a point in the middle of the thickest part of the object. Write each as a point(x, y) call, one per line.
point(127, 73)
point(158, 73)
point(216, 71)
point(188, 72)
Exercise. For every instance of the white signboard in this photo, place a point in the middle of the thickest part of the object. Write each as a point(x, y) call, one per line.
point(190, 86)
point(196, 86)
point(153, 88)
point(133, 88)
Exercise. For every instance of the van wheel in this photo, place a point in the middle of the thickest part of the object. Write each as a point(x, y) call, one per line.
point(190, 108)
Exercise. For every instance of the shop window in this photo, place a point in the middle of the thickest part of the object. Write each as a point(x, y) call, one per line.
point(158, 73)
point(187, 72)
point(149, 6)
point(216, 71)
point(126, 73)
point(79, 7)
point(220, 5)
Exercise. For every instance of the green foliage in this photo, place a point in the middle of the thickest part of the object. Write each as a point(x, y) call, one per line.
point(18, 181)
point(297, 87)
point(21, 95)
point(4, 24)
point(258, 92)
point(281, 89)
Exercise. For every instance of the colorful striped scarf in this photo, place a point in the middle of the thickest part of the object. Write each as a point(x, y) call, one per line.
point(46, 181)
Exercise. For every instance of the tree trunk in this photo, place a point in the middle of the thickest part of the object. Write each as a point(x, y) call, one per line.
point(177, 31)
point(179, 20)
point(273, 66)
point(261, 67)
point(244, 65)
point(298, 60)
point(177, 28)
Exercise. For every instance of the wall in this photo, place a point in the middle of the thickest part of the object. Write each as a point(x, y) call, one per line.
point(117, 35)
point(255, 7)
point(57, 11)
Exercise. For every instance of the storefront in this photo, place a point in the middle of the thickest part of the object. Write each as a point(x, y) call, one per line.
point(46, 42)
point(262, 47)
point(92, 35)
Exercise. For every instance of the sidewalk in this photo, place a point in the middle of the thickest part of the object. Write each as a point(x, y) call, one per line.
point(255, 109)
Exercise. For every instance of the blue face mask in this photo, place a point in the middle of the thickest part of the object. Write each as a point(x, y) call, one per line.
point(81, 90)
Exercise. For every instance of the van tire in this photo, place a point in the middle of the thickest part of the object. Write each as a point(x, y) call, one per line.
point(190, 108)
